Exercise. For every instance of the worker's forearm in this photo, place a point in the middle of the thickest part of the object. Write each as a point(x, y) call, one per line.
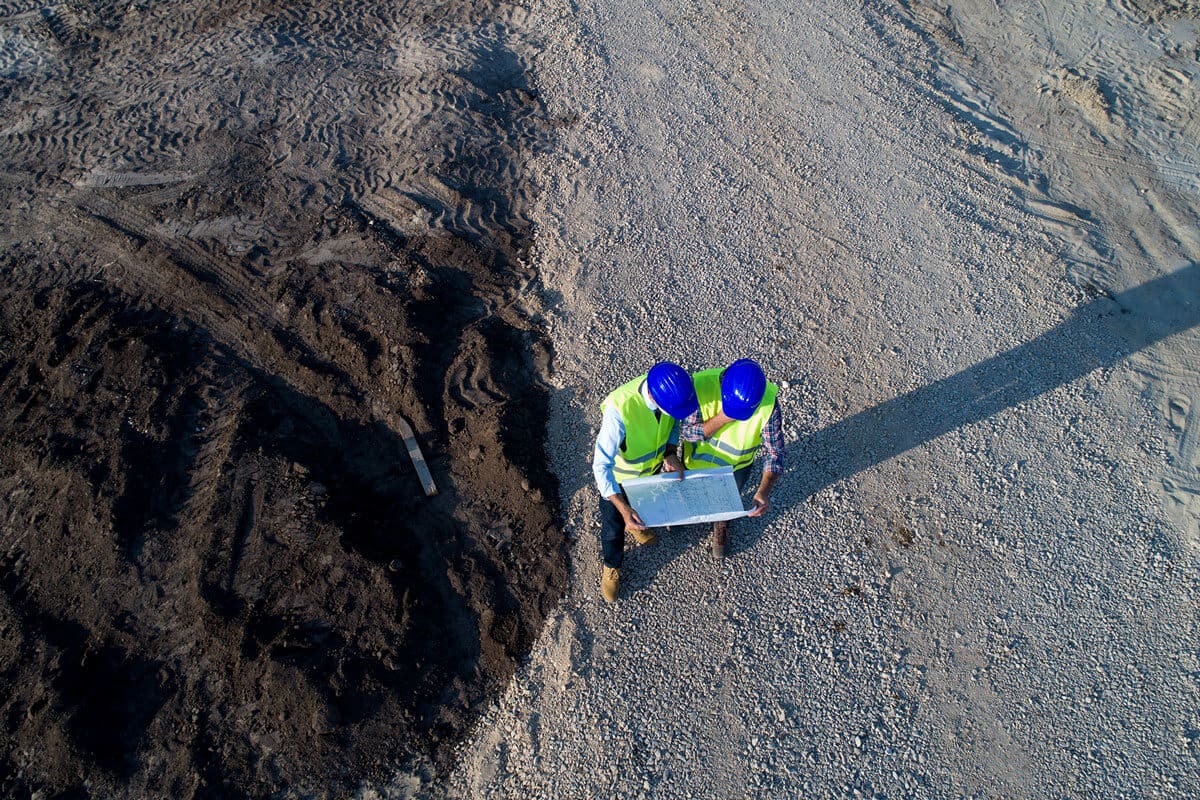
point(619, 501)
point(766, 484)
point(715, 423)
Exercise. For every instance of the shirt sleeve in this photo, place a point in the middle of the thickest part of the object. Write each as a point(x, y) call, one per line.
point(612, 430)
point(772, 446)
point(692, 428)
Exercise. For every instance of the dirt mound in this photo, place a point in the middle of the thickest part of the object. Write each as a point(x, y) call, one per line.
point(240, 242)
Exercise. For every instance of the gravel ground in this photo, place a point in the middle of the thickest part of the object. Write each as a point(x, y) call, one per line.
point(967, 240)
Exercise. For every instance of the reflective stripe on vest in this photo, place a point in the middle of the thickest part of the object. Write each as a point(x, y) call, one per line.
point(737, 443)
point(646, 435)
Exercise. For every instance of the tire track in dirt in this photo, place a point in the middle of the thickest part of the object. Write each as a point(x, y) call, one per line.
point(242, 242)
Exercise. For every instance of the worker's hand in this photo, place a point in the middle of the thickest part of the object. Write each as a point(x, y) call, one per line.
point(761, 506)
point(632, 521)
point(672, 464)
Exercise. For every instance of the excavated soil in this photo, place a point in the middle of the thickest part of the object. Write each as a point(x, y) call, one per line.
point(240, 241)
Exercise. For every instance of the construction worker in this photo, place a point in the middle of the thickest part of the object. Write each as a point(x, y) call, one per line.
point(739, 414)
point(638, 436)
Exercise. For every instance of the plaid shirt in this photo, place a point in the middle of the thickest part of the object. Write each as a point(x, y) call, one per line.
point(692, 430)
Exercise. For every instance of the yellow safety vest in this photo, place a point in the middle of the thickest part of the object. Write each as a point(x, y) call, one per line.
point(641, 451)
point(736, 444)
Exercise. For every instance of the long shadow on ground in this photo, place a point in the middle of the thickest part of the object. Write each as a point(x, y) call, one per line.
point(1101, 333)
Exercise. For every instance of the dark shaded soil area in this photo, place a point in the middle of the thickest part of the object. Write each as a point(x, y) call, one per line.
point(240, 241)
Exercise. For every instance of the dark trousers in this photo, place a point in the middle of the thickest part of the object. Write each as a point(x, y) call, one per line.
point(612, 524)
point(612, 533)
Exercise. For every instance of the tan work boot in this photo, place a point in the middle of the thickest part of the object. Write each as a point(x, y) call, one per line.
point(609, 581)
point(643, 537)
point(720, 540)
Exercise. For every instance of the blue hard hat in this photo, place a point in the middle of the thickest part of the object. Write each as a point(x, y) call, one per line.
point(671, 388)
point(742, 387)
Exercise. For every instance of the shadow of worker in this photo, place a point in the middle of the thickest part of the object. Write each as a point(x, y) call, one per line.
point(1099, 334)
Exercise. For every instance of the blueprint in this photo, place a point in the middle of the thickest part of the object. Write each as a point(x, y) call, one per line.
point(704, 495)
